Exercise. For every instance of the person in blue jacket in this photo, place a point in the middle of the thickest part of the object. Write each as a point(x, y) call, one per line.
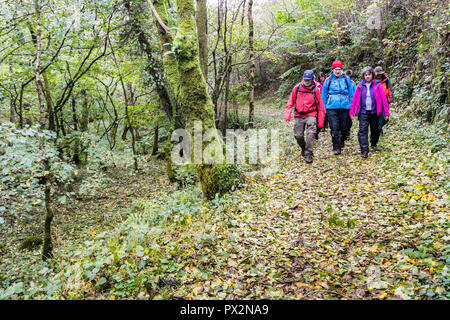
point(337, 95)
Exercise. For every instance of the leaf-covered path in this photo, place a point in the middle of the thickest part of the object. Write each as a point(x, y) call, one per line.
point(341, 227)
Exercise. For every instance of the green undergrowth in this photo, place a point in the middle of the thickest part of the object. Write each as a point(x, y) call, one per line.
point(340, 228)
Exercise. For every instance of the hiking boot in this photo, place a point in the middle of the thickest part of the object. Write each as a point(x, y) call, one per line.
point(364, 154)
point(337, 152)
point(308, 158)
point(303, 153)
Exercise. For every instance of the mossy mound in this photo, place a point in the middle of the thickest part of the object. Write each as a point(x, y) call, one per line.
point(218, 179)
point(31, 243)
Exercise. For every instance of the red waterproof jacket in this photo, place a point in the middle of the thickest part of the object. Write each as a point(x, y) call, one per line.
point(306, 104)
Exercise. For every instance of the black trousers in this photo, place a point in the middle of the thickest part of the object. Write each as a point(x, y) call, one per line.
point(366, 121)
point(349, 127)
point(339, 120)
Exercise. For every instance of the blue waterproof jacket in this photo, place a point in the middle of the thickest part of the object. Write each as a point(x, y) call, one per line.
point(339, 96)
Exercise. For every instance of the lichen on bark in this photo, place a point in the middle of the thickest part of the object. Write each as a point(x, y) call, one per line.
point(214, 178)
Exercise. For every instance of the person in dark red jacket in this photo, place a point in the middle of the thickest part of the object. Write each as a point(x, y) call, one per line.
point(309, 113)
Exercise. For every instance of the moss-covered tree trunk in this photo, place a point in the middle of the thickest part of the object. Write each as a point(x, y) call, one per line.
point(166, 40)
point(171, 72)
point(202, 30)
point(214, 178)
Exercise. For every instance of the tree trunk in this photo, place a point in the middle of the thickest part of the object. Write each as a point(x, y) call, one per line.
point(227, 66)
point(61, 123)
point(155, 141)
point(48, 99)
point(226, 97)
point(166, 94)
point(76, 150)
point(202, 30)
point(166, 39)
point(20, 113)
point(74, 114)
point(38, 64)
point(47, 245)
point(12, 111)
point(84, 112)
point(251, 112)
point(57, 126)
point(214, 178)
point(170, 65)
point(133, 139)
point(12, 102)
point(125, 131)
point(130, 101)
point(218, 70)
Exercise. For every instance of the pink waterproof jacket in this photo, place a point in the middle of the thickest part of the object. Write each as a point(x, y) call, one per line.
point(380, 98)
point(319, 85)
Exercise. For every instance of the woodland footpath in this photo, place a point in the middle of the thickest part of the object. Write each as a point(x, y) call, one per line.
point(92, 205)
point(350, 228)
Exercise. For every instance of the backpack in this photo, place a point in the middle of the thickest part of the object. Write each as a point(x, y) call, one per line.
point(387, 91)
point(331, 79)
point(382, 121)
point(316, 102)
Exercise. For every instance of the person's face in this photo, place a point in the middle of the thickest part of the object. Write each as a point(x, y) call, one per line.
point(379, 77)
point(368, 77)
point(307, 82)
point(337, 72)
point(322, 78)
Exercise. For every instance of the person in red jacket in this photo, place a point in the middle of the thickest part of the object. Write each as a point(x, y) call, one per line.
point(309, 113)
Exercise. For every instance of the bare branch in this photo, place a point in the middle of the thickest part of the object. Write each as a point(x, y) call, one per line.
point(158, 18)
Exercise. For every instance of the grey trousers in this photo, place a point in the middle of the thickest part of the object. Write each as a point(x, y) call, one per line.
point(309, 125)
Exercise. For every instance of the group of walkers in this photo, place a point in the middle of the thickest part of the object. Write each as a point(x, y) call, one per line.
point(336, 100)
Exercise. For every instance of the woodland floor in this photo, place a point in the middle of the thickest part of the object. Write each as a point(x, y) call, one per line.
point(340, 228)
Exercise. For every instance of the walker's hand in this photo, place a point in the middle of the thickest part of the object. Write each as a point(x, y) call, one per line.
point(386, 118)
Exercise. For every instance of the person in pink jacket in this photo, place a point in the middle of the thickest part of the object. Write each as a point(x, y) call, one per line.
point(368, 102)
